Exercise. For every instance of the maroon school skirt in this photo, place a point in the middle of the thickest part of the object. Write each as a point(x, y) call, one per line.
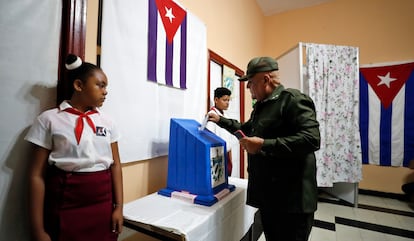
point(78, 206)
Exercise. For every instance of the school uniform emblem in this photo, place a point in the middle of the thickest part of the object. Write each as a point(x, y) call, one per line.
point(100, 131)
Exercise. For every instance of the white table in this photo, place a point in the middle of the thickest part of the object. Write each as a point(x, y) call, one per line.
point(171, 219)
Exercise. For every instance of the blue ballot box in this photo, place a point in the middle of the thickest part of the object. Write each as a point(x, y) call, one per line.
point(197, 164)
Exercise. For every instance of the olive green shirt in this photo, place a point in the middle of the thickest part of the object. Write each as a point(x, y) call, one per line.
point(283, 173)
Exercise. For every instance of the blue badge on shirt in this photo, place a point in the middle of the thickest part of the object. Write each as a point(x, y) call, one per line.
point(100, 131)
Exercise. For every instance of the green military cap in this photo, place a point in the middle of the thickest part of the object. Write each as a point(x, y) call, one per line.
point(259, 64)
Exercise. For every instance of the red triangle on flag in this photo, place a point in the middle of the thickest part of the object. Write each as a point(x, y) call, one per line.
point(387, 81)
point(171, 15)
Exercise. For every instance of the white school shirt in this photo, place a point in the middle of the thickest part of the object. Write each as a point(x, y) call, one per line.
point(55, 130)
point(230, 139)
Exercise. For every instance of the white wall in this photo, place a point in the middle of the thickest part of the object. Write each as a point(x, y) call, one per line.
point(29, 46)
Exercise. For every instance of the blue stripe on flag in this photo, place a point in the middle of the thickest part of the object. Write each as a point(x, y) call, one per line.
point(169, 48)
point(385, 136)
point(363, 117)
point(409, 121)
point(152, 41)
point(183, 57)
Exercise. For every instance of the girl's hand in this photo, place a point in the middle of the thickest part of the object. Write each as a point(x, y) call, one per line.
point(117, 220)
point(42, 236)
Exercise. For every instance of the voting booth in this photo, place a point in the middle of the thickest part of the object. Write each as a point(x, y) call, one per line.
point(197, 164)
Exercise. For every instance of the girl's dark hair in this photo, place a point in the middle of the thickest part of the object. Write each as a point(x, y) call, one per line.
point(77, 69)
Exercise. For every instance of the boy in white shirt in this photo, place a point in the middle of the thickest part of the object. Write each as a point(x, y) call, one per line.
point(221, 103)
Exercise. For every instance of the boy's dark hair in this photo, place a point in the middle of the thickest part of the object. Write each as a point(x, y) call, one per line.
point(221, 91)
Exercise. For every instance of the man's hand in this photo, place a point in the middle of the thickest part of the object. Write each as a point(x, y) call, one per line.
point(251, 144)
point(213, 117)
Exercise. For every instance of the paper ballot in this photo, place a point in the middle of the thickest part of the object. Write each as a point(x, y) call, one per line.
point(203, 125)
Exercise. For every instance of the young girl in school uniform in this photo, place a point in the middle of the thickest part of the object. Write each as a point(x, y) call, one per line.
point(75, 174)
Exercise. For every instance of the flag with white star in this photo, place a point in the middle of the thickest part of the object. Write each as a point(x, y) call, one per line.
point(387, 114)
point(167, 43)
point(158, 69)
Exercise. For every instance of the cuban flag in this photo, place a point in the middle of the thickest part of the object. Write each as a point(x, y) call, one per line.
point(167, 43)
point(387, 114)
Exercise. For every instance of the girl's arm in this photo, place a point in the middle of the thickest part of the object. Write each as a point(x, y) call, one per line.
point(116, 170)
point(37, 192)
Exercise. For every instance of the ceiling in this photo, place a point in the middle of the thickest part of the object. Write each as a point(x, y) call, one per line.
point(270, 7)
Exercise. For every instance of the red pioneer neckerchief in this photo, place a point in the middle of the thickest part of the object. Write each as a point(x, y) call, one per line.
point(79, 121)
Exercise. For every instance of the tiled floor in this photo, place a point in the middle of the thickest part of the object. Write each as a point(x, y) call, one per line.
point(375, 219)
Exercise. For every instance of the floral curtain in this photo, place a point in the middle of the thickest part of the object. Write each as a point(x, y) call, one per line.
point(333, 84)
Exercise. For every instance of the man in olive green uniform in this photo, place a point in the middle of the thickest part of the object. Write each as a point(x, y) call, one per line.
point(282, 135)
